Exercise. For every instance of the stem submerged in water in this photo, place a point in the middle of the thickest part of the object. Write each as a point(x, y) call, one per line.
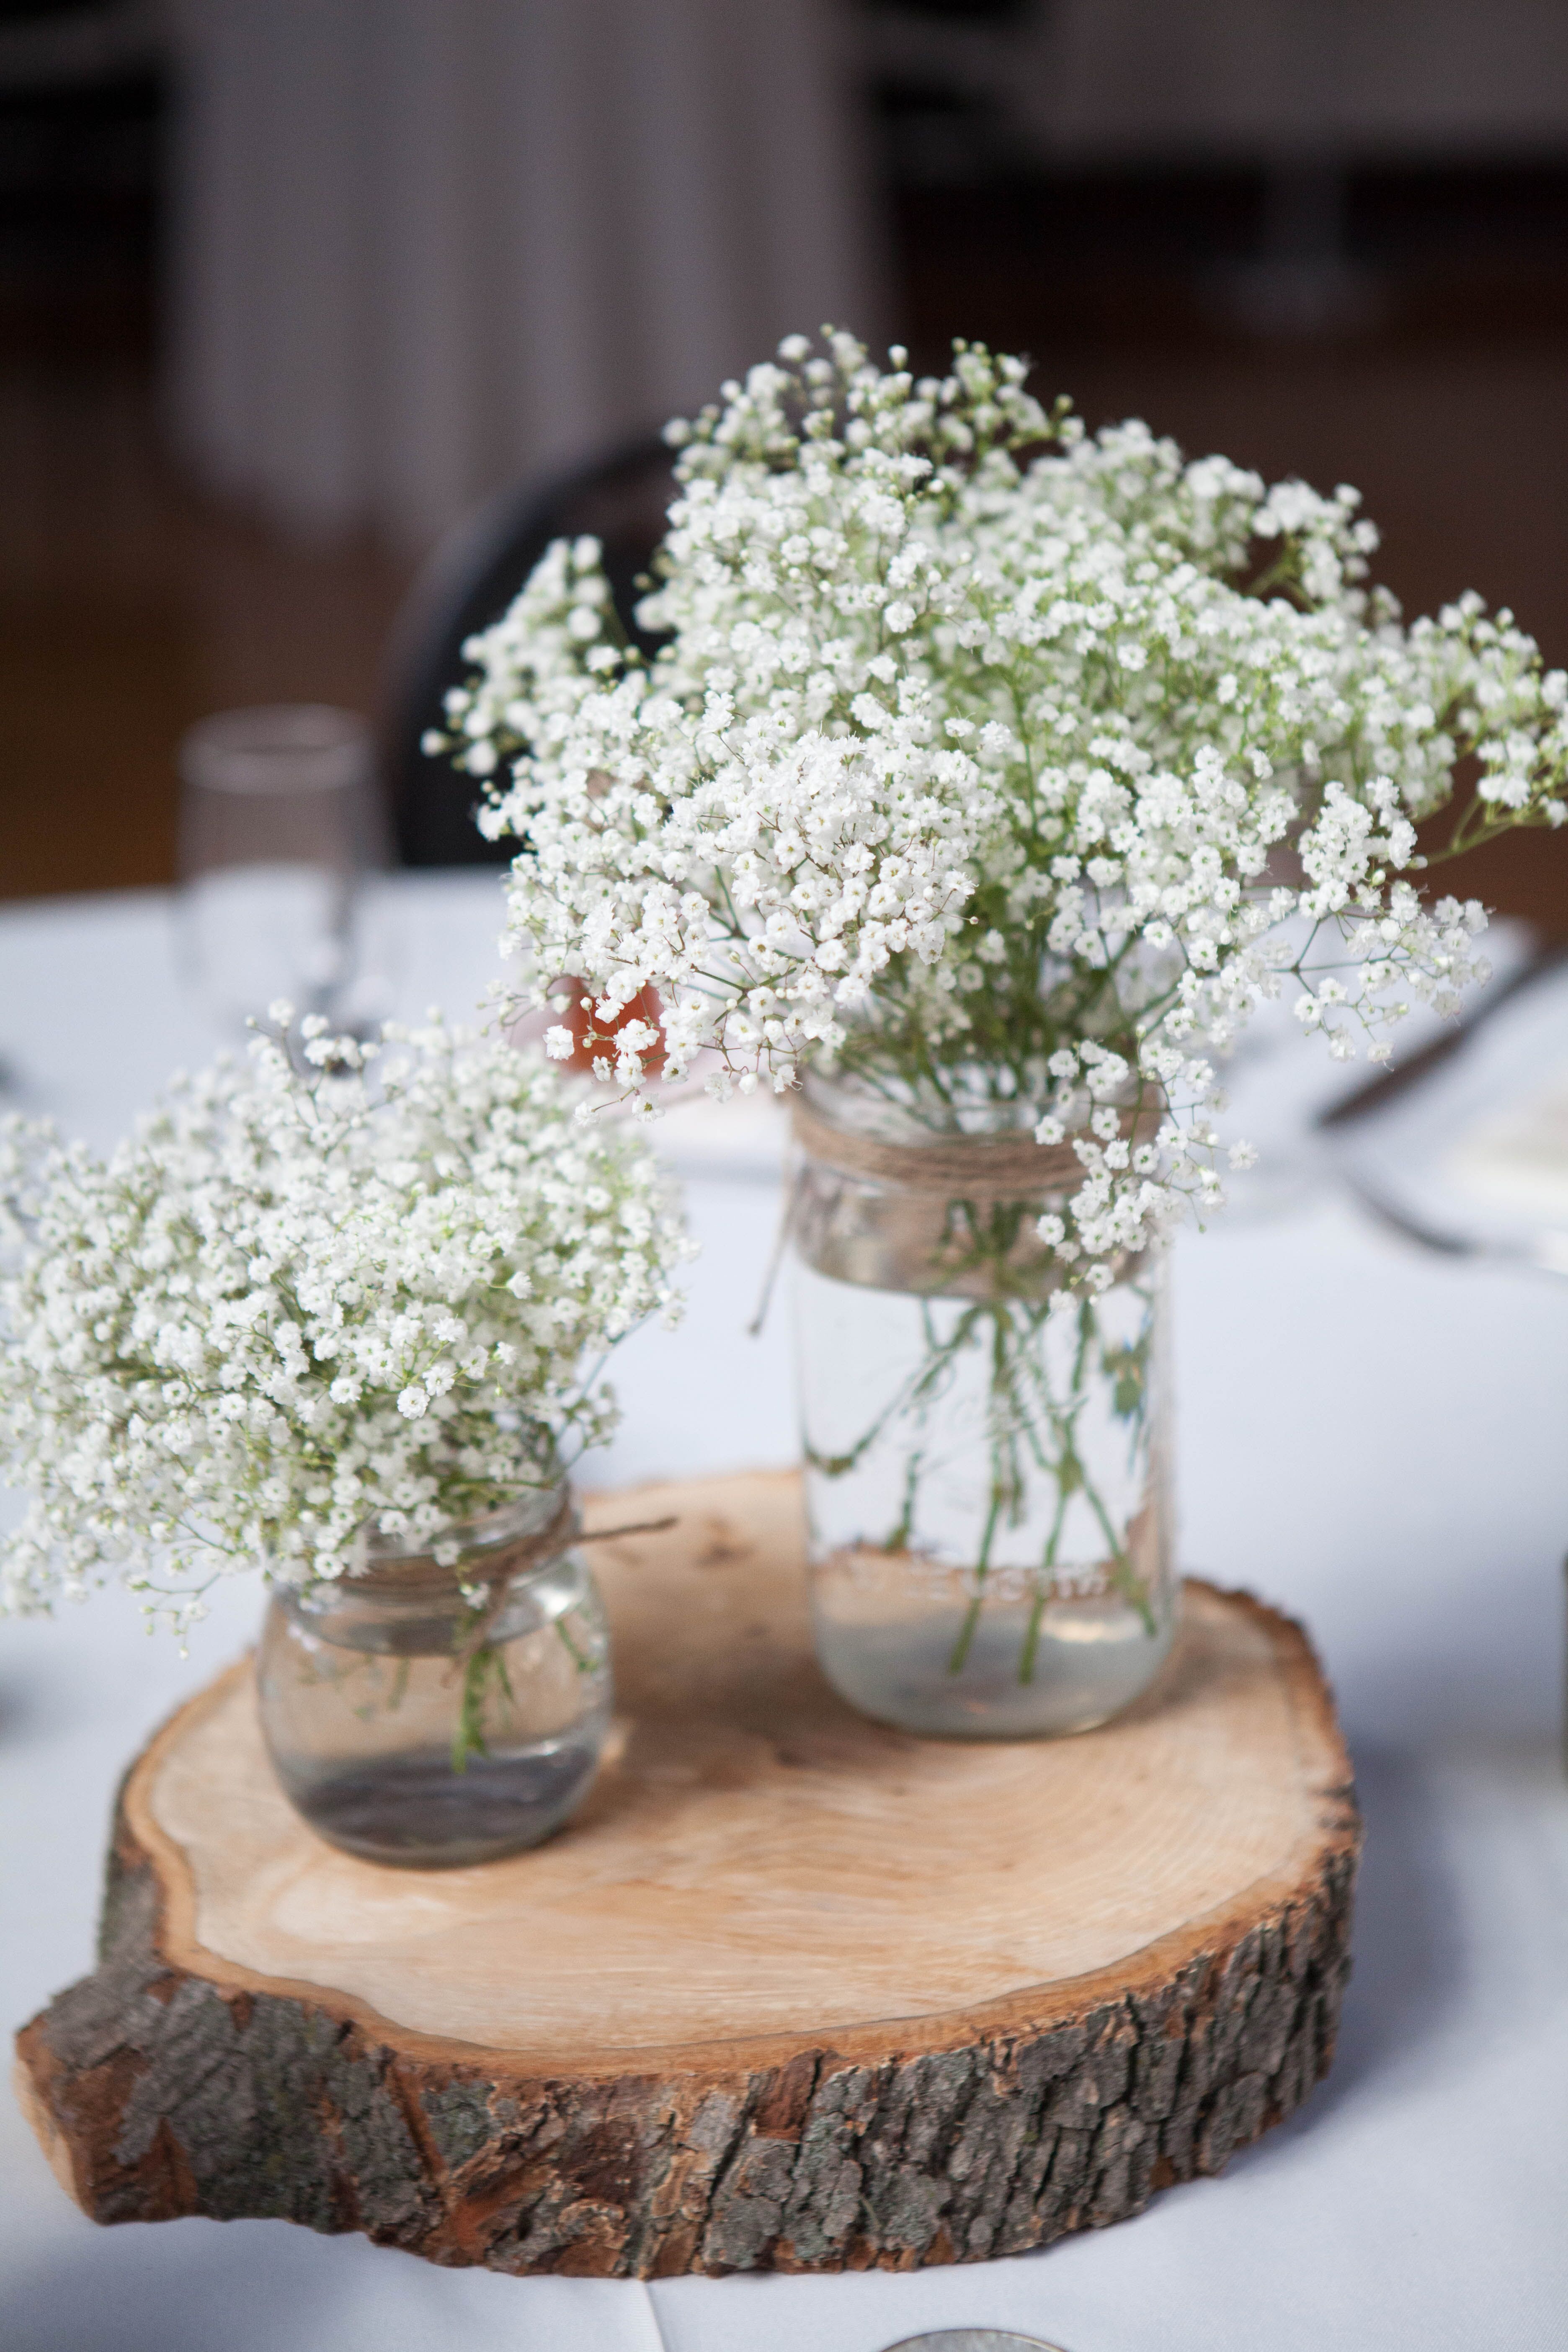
point(1049, 1393)
point(1032, 1636)
point(484, 1672)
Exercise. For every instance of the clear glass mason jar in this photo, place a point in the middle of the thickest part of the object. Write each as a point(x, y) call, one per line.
point(987, 1475)
point(434, 1716)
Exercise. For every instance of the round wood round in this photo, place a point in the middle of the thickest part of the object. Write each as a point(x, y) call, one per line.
point(791, 1992)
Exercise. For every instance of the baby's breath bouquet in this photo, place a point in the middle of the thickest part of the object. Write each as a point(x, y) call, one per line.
point(994, 773)
point(337, 1290)
point(967, 753)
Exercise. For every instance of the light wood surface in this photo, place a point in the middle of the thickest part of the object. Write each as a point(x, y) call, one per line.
point(770, 1913)
point(756, 1859)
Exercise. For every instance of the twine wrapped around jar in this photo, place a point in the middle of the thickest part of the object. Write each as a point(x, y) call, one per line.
point(972, 1167)
point(867, 1209)
point(421, 1578)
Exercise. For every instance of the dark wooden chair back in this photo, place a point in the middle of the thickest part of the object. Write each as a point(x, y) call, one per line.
point(622, 500)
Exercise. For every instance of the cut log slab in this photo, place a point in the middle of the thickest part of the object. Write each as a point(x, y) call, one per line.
point(792, 1992)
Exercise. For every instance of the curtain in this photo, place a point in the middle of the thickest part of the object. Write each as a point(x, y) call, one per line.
point(420, 249)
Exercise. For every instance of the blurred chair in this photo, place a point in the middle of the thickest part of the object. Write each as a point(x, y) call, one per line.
point(621, 500)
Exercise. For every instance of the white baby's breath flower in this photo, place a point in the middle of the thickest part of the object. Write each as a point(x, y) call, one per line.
point(967, 753)
point(295, 1305)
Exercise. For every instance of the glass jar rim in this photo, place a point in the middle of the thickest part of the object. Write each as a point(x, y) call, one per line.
point(413, 1583)
point(526, 1513)
point(844, 1099)
point(278, 750)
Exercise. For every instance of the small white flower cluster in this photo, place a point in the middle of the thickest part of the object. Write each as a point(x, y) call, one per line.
point(969, 756)
point(310, 1298)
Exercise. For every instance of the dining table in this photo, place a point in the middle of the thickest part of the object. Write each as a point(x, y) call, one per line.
point(1372, 1436)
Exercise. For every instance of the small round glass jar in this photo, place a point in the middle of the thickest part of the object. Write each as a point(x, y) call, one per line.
point(433, 1715)
point(986, 1460)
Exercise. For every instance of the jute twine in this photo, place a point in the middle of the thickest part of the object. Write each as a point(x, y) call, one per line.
point(424, 1578)
point(961, 1166)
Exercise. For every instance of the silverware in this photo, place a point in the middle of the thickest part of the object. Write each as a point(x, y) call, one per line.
point(1366, 1100)
point(1542, 1252)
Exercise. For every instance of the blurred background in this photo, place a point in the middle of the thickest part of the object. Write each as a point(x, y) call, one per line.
point(289, 291)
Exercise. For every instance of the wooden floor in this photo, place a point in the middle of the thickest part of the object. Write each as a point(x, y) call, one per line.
point(128, 607)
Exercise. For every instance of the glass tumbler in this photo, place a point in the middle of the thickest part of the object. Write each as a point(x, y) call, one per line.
point(432, 1715)
point(281, 835)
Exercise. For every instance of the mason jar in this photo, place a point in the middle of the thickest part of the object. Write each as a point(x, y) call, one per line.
point(986, 1448)
point(430, 1713)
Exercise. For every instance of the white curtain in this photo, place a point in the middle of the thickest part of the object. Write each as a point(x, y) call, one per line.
point(423, 247)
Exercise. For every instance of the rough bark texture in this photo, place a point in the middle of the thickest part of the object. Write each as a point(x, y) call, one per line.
point(166, 2094)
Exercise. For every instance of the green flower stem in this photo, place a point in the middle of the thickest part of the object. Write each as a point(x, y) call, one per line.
point(1032, 1633)
point(484, 1677)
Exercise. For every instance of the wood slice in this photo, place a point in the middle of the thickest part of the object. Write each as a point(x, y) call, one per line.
point(792, 1991)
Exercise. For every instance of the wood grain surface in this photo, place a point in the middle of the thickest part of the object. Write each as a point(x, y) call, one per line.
point(792, 1990)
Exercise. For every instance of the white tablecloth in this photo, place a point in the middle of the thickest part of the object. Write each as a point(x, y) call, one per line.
point(1368, 1436)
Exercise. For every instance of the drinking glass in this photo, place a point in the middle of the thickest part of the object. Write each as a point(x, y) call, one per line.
point(281, 838)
